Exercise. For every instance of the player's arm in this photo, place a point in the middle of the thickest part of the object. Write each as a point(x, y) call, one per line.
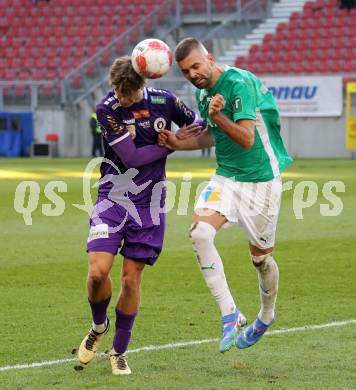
point(120, 140)
point(242, 132)
point(183, 116)
point(171, 141)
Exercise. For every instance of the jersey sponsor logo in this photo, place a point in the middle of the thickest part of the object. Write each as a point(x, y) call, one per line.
point(158, 99)
point(117, 128)
point(98, 231)
point(141, 114)
point(144, 124)
point(159, 124)
point(211, 194)
point(238, 105)
point(129, 121)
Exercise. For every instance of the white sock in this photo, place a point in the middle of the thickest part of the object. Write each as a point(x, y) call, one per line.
point(268, 276)
point(100, 328)
point(202, 235)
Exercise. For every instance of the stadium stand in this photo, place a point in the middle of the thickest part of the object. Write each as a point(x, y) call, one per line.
point(42, 42)
point(321, 39)
point(46, 40)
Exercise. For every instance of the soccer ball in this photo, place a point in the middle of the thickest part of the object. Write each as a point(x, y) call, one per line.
point(151, 58)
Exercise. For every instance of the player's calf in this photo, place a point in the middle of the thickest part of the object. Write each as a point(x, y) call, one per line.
point(268, 276)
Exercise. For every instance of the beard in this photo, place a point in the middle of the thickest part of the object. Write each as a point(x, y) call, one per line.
point(201, 82)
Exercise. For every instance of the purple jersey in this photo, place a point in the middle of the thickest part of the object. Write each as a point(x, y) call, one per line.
point(135, 130)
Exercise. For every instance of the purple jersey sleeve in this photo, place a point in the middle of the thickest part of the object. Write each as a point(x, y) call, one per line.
point(181, 113)
point(120, 140)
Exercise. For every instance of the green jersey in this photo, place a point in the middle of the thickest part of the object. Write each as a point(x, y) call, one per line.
point(246, 98)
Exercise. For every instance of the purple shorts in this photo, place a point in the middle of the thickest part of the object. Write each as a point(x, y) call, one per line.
point(139, 234)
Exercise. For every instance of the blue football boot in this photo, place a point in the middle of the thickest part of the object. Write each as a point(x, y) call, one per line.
point(251, 334)
point(231, 326)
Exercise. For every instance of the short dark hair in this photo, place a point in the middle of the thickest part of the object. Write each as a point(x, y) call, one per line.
point(185, 46)
point(123, 77)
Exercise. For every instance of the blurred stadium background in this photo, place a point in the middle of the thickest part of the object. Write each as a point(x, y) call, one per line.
point(55, 57)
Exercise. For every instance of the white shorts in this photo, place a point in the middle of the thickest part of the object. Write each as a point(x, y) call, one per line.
point(254, 206)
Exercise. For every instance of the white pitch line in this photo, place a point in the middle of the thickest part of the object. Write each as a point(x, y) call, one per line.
point(182, 344)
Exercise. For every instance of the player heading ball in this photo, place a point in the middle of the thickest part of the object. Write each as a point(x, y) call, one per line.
point(130, 116)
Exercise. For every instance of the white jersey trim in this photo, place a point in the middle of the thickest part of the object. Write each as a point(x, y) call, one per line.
point(117, 140)
point(263, 133)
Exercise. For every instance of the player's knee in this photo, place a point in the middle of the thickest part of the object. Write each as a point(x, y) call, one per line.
point(97, 276)
point(201, 232)
point(264, 262)
point(130, 284)
point(99, 268)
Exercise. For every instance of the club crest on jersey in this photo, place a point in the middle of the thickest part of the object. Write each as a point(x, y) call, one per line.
point(159, 124)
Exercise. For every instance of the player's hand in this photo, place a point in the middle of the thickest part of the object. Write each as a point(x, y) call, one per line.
point(191, 130)
point(216, 104)
point(168, 139)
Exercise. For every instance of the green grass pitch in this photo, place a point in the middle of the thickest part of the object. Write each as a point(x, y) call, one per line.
point(44, 312)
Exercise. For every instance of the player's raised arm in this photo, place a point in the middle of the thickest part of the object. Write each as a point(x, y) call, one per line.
point(120, 140)
point(242, 131)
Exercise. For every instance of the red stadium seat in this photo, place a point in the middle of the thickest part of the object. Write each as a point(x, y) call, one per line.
point(105, 58)
point(48, 90)
point(90, 70)
point(21, 90)
point(322, 67)
point(39, 74)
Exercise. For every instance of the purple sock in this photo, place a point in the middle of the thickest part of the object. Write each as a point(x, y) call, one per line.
point(124, 324)
point(99, 310)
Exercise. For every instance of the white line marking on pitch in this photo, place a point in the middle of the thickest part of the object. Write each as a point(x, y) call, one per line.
point(182, 344)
